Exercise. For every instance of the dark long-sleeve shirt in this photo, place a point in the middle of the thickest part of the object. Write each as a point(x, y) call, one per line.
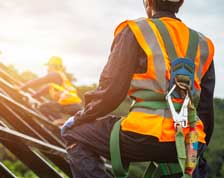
point(127, 58)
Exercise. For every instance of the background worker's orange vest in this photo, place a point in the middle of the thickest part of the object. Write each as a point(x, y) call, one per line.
point(158, 122)
point(64, 94)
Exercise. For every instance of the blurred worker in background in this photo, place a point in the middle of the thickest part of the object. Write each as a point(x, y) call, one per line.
point(57, 85)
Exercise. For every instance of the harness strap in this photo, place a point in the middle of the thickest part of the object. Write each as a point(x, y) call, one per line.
point(155, 105)
point(152, 171)
point(117, 167)
point(163, 169)
point(180, 146)
point(193, 44)
point(192, 116)
point(191, 54)
point(166, 37)
point(169, 169)
point(148, 95)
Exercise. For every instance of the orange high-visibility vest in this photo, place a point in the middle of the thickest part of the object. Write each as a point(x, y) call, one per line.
point(159, 122)
point(64, 94)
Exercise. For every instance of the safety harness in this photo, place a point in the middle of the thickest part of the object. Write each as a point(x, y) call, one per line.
point(183, 113)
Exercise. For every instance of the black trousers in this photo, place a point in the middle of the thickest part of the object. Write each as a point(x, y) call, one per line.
point(91, 141)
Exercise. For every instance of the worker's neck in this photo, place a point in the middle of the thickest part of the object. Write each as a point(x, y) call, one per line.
point(159, 14)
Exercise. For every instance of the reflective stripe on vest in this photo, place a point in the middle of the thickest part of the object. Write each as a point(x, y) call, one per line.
point(157, 55)
point(155, 76)
point(204, 53)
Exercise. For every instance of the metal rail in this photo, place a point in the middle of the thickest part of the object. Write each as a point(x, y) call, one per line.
point(5, 172)
point(30, 136)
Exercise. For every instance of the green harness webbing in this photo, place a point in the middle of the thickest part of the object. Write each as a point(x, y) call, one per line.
point(192, 45)
point(152, 171)
point(154, 100)
point(191, 54)
point(117, 167)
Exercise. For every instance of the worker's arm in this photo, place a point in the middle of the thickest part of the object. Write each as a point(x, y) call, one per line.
point(115, 79)
point(43, 91)
point(52, 77)
point(205, 107)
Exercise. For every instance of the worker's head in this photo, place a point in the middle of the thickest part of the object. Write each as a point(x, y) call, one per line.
point(55, 64)
point(153, 6)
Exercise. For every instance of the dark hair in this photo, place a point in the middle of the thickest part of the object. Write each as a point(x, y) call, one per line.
point(161, 5)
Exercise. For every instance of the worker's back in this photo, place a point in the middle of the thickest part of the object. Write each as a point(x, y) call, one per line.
point(144, 118)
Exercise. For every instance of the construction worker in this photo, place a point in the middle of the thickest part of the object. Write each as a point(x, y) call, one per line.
point(149, 58)
point(56, 84)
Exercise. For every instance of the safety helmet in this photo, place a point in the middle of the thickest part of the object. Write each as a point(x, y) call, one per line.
point(55, 61)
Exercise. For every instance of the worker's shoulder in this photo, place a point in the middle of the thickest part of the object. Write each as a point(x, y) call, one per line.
point(208, 40)
point(204, 37)
point(125, 25)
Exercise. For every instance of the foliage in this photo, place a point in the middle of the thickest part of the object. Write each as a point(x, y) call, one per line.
point(20, 170)
point(215, 151)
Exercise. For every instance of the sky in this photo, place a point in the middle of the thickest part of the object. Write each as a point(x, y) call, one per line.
point(81, 32)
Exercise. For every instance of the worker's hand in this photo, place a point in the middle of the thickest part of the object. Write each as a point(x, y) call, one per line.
point(68, 124)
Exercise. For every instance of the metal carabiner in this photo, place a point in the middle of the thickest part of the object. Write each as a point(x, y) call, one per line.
point(180, 118)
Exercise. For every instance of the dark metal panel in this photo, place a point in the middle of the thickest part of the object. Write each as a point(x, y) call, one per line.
point(27, 116)
point(34, 161)
point(21, 126)
point(17, 122)
point(10, 135)
point(19, 98)
point(54, 153)
point(29, 120)
point(60, 162)
point(5, 172)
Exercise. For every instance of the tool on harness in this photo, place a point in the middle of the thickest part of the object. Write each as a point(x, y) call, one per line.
point(182, 87)
point(180, 118)
point(192, 151)
point(187, 154)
